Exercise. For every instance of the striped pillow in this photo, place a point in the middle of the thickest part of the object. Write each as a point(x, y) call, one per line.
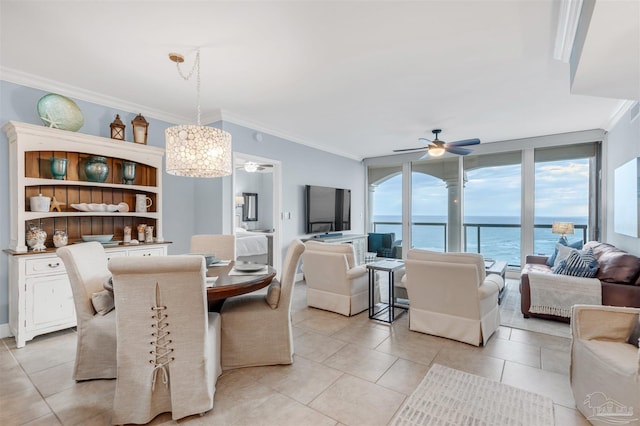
point(578, 264)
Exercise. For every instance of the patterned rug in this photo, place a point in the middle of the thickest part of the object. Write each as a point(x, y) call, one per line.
point(452, 397)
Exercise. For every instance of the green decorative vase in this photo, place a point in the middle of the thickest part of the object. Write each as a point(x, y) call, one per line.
point(96, 168)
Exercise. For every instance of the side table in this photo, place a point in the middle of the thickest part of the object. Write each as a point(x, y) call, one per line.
point(390, 266)
point(498, 267)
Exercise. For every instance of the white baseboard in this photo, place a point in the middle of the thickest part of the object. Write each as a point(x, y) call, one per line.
point(5, 331)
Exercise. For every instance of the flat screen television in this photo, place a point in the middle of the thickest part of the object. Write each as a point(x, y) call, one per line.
point(328, 209)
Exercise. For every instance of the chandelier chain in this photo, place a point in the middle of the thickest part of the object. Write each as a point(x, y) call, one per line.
point(196, 67)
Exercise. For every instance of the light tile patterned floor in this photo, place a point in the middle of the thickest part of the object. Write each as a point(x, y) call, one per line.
point(347, 371)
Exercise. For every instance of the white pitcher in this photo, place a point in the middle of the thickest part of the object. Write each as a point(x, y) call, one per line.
point(142, 203)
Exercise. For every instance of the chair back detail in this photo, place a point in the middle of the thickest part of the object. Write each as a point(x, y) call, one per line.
point(223, 246)
point(167, 355)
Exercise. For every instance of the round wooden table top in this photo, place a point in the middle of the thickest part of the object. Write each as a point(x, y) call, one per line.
point(234, 285)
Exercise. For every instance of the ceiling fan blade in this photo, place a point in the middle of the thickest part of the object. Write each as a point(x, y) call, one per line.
point(409, 149)
point(464, 142)
point(424, 140)
point(456, 150)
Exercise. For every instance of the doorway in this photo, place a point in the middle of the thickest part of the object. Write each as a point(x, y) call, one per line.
point(256, 209)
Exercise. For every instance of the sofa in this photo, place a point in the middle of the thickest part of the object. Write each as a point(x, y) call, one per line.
point(618, 273)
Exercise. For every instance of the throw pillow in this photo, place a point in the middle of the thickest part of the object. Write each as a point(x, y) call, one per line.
point(273, 294)
point(635, 335)
point(103, 302)
point(578, 264)
point(551, 261)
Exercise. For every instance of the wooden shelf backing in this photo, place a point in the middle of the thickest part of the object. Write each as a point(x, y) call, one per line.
point(37, 165)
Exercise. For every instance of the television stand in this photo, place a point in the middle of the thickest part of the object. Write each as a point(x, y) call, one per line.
point(329, 235)
point(359, 242)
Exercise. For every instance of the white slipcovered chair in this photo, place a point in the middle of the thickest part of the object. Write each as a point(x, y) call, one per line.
point(451, 296)
point(223, 246)
point(604, 366)
point(334, 282)
point(86, 266)
point(168, 344)
point(256, 328)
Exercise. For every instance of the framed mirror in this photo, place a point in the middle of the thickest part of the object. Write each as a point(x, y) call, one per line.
point(250, 207)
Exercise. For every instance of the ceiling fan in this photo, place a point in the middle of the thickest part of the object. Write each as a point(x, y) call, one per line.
point(436, 147)
point(252, 167)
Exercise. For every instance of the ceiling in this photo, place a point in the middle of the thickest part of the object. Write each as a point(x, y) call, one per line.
point(350, 77)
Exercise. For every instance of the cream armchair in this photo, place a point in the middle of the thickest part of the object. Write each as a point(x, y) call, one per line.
point(604, 366)
point(334, 283)
point(450, 295)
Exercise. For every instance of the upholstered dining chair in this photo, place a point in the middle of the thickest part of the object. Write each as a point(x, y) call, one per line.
point(168, 344)
point(451, 296)
point(256, 328)
point(223, 246)
point(86, 266)
point(334, 282)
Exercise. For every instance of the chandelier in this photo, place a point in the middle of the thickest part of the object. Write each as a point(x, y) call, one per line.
point(195, 150)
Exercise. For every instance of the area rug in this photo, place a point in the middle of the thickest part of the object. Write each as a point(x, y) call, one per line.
point(452, 397)
point(511, 315)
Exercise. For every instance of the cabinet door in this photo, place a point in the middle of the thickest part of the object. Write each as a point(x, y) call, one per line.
point(49, 301)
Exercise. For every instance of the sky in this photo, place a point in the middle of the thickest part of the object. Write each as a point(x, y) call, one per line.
point(562, 190)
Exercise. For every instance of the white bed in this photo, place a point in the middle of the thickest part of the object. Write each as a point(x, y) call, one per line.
point(253, 246)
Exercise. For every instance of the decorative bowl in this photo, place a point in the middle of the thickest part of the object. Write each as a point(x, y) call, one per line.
point(99, 238)
point(96, 207)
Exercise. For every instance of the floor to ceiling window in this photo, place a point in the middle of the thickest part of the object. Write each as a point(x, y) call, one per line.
point(501, 204)
point(492, 206)
point(564, 187)
point(434, 204)
point(385, 199)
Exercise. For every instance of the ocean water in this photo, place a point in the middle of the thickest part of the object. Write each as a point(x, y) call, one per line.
point(499, 243)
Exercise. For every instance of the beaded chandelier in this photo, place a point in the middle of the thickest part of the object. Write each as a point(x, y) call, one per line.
point(195, 150)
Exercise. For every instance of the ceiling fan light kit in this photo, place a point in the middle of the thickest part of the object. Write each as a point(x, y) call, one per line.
point(436, 147)
point(195, 150)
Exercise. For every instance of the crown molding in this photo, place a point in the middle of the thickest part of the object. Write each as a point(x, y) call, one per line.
point(48, 85)
point(623, 107)
point(568, 19)
point(230, 117)
point(41, 83)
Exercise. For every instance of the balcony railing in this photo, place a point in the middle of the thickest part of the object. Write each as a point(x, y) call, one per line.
point(498, 241)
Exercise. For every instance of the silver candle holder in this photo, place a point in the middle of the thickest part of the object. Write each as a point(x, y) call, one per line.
point(128, 172)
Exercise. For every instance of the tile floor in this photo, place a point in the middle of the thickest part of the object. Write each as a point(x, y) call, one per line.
point(347, 371)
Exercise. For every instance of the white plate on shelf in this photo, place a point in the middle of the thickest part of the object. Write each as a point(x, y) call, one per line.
point(249, 267)
point(95, 207)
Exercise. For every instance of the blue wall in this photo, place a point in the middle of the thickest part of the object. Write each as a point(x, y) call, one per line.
point(191, 206)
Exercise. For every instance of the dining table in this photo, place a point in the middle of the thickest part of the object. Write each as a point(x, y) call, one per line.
point(230, 282)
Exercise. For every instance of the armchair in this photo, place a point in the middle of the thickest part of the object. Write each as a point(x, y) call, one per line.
point(334, 283)
point(451, 296)
point(384, 245)
point(604, 366)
